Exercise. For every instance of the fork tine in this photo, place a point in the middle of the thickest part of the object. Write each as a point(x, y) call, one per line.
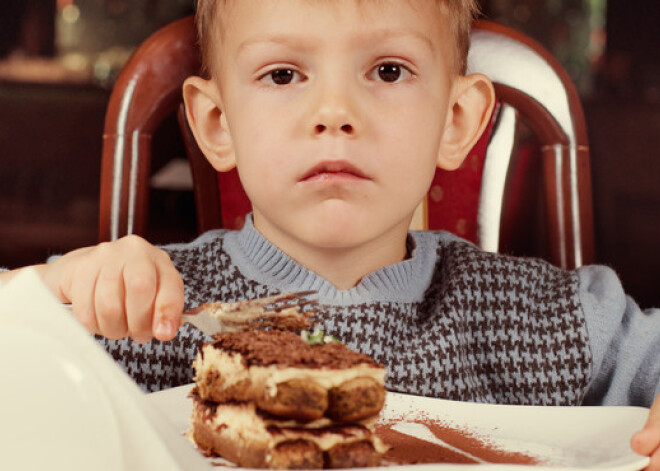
point(267, 301)
point(296, 305)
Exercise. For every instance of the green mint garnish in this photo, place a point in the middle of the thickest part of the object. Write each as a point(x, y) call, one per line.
point(317, 337)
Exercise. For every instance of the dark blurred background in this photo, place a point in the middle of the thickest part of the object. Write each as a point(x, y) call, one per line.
point(59, 58)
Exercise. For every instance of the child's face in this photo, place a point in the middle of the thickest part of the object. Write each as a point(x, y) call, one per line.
point(335, 111)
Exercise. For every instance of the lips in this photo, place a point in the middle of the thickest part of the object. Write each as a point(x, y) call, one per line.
point(334, 170)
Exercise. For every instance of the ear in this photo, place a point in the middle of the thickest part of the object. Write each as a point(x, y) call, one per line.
point(208, 123)
point(473, 98)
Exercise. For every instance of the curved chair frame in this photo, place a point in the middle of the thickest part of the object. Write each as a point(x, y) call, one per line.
point(521, 69)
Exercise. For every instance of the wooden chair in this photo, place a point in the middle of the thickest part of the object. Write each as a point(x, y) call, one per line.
point(525, 188)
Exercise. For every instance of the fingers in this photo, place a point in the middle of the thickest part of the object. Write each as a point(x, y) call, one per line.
point(122, 288)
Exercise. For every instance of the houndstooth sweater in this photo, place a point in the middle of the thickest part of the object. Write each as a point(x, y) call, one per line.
point(451, 321)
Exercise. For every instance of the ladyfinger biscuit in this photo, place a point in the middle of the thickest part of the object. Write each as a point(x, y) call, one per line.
point(355, 399)
point(298, 399)
point(246, 437)
point(352, 455)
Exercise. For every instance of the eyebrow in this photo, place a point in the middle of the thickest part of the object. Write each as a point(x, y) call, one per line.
point(281, 39)
point(384, 34)
point(372, 37)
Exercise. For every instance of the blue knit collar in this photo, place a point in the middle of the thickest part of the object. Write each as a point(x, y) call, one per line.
point(406, 281)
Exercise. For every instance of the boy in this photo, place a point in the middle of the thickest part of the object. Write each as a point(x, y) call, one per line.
point(336, 114)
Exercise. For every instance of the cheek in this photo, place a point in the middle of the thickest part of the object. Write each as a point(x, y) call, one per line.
point(417, 115)
point(412, 149)
point(255, 138)
point(260, 131)
point(259, 161)
point(414, 138)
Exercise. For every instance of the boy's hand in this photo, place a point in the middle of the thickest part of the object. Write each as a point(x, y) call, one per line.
point(646, 442)
point(123, 288)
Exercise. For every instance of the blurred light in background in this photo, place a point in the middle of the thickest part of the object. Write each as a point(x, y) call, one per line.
point(573, 30)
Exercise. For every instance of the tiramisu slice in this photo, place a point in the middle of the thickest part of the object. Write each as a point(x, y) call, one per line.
point(271, 399)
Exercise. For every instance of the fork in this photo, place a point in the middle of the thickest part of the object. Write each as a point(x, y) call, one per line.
point(281, 311)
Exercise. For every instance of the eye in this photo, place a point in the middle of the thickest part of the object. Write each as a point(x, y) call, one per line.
point(281, 76)
point(390, 72)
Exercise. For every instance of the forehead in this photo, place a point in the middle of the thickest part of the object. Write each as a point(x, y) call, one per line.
point(229, 6)
point(241, 21)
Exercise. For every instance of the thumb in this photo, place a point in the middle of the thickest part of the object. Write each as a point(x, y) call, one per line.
point(168, 304)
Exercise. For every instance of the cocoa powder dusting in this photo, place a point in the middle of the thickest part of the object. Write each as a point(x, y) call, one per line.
point(477, 446)
point(406, 449)
point(274, 347)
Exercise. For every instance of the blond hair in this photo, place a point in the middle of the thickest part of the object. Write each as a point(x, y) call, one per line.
point(461, 14)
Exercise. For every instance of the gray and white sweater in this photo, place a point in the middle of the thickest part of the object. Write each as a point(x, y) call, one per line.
point(451, 321)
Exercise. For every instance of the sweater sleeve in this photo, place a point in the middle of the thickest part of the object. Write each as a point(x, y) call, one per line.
point(624, 340)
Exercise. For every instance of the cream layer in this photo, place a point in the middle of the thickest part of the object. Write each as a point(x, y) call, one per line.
point(230, 369)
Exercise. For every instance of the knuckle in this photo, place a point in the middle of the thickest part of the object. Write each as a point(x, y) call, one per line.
point(131, 243)
point(140, 283)
point(133, 240)
point(107, 279)
point(103, 249)
point(162, 257)
point(110, 311)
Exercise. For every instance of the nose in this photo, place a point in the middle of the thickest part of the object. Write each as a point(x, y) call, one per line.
point(344, 128)
point(335, 112)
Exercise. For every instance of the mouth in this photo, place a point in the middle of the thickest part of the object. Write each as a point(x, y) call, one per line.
point(335, 170)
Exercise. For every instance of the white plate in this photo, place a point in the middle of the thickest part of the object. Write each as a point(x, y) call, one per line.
point(568, 438)
point(54, 413)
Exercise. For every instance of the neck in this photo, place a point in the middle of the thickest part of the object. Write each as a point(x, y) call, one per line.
point(343, 267)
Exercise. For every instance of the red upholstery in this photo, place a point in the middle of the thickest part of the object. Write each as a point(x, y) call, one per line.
point(453, 199)
point(233, 200)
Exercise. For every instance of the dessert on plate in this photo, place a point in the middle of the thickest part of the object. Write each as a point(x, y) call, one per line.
point(275, 399)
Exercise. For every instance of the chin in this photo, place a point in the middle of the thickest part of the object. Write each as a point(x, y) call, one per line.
point(334, 240)
point(341, 236)
point(337, 225)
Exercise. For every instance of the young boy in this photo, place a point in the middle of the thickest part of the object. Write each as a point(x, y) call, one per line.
point(336, 114)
